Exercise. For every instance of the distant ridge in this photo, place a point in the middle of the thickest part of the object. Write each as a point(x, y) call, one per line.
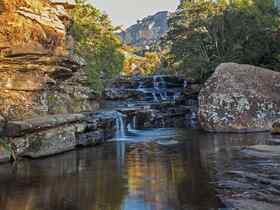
point(146, 31)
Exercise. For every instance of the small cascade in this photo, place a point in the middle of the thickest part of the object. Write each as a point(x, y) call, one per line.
point(163, 95)
point(120, 122)
point(160, 88)
point(155, 96)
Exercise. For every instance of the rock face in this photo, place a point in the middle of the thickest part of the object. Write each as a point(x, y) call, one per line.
point(54, 134)
point(146, 31)
point(43, 85)
point(39, 74)
point(239, 98)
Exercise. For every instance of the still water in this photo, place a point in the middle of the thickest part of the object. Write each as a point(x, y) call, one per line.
point(160, 169)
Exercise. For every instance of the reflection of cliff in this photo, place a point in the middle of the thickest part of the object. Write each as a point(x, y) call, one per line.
point(175, 180)
point(147, 31)
point(85, 179)
point(124, 176)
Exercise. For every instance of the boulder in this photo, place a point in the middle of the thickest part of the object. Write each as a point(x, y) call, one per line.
point(239, 98)
point(276, 127)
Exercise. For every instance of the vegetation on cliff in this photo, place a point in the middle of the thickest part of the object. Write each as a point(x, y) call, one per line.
point(135, 64)
point(204, 34)
point(97, 43)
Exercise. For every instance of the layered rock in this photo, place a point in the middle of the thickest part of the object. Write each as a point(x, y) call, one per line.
point(54, 134)
point(43, 84)
point(239, 98)
point(39, 74)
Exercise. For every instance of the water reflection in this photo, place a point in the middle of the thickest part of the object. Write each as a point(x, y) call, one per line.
point(123, 176)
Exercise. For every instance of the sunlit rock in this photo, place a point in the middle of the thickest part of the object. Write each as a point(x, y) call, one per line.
point(239, 98)
point(39, 74)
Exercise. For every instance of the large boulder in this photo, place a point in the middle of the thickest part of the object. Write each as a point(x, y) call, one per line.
point(239, 98)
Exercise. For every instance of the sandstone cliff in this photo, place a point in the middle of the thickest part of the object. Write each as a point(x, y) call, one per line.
point(46, 104)
point(39, 74)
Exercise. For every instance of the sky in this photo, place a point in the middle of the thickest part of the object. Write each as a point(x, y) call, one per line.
point(126, 12)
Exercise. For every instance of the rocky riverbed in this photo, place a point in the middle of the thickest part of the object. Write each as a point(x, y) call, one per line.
point(244, 99)
point(251, 180)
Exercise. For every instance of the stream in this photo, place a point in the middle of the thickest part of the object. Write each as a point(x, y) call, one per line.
point(166, 168)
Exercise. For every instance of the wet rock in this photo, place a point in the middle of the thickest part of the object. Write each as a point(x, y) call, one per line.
point(249, 204)
point(276, 127)
point(264, 150)
point(2, 124)
point(274, 141)
point(124, 83)
point(251, 179)
point(39, 137)
point(121, 94)
point(239, 98)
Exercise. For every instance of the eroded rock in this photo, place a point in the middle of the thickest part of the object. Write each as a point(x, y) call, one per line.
point(55, 134)
point(39, 74)
point(43, 84)
point(239, 98)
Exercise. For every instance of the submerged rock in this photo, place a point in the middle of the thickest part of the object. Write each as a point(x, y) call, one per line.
point(239, 98)
point(263, 150)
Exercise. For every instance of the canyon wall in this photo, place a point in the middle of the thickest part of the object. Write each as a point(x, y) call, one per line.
point(39, 72)
point(46, 103)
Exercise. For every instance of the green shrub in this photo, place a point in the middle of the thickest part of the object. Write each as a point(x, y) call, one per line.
point(204, 34)
point(97, 44)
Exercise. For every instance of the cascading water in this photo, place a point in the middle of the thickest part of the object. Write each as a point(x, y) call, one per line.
point(155, 96)
point(120, 122)
point(162, 88)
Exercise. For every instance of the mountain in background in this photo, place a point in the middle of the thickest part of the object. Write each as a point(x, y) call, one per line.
point(147, 31)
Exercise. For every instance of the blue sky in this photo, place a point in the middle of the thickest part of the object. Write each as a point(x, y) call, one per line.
point(127, 12)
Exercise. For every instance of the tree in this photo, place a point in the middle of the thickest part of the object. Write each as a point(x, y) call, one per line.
point(204, 34)
point(96, 43)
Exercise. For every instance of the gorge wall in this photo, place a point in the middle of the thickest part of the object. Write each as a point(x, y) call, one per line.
point(39, 72)
point(46, 104)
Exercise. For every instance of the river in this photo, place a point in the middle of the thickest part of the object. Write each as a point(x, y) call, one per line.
point(155, 169)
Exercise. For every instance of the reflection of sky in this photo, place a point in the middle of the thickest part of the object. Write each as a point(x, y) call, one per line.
point(127, 12)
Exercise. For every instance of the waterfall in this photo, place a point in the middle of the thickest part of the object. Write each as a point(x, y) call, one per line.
point(120, 122)
point(155, 96)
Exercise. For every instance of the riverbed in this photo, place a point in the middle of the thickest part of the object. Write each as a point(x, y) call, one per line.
point(155, 169)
